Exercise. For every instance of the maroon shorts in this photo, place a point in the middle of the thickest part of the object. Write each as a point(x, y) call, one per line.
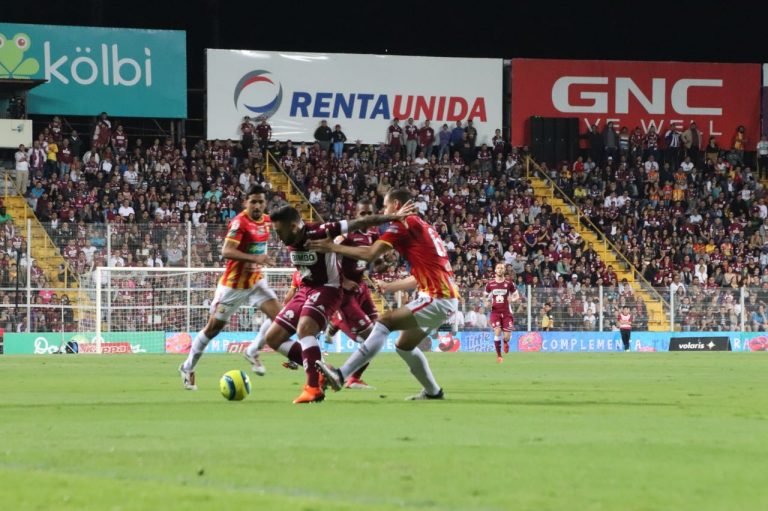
point(503, 320)
point(319, 303)
point(357, 312)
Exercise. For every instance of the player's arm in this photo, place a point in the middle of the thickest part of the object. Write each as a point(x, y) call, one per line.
point(405, 284)
point(289, 295)
point(364, 222)
point(369, 253)
point(229, 250)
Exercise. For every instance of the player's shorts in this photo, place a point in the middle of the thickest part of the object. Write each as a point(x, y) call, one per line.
point(317, 302)
point(365, 299)
point(355, 312)
point(503, 320)
point(432, 313)
point(226, 300)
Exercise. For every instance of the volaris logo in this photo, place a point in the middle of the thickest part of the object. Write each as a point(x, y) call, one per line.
point(12, 61)
point(255, 77)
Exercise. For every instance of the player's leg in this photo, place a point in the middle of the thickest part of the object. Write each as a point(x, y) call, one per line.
point(225, 302)
point(507, 325)
point(263, 298)
point(427, 315)
point(495, 322)
point(359, 327)
point(321, 303)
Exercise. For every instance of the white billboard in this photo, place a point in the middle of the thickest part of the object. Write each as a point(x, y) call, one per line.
point(362, 93)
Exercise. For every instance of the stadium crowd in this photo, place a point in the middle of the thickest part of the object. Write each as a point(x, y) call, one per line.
point(668, 220)
point(692, 217)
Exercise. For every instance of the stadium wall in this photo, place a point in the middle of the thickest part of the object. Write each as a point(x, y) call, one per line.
point(468, 341)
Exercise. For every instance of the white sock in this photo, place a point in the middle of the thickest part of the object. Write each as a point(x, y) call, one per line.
point(420, 369)
point(196, 350)
point(261, 339)
point(366, 351)
point(308, 342)
point(285, 348)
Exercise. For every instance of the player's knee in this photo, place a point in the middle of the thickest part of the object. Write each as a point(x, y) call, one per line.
point(213, 327)
point(307, 327)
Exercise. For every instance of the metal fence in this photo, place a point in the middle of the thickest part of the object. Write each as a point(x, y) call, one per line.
point(46, 283)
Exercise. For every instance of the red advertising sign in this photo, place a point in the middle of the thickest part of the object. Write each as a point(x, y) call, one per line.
point(718, 97)
point(107, 348)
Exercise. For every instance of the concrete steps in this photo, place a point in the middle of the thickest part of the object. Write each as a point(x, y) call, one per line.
point(657, 316)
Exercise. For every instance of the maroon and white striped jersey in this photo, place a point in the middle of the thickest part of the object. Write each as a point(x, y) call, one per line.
point(318, 269)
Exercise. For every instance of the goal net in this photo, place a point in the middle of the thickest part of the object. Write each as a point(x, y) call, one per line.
point(157, 310)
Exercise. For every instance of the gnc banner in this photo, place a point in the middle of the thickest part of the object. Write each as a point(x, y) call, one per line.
point(718, 97)
point(362, 93)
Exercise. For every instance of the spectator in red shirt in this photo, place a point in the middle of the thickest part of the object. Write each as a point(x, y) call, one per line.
point(264, 132)
point(426, 139)
point(394, 136)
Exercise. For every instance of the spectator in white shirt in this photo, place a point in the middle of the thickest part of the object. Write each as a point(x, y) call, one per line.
point(651, 164)
point(126, 210)
point(762, 156)
point(22, 169)
point(687, 165)
point(131, 176)
point(315, 195)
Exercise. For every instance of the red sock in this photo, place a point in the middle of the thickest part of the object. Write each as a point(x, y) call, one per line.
point(294, 354)
point(310, 356)
point(497, 345)
point(359, 373)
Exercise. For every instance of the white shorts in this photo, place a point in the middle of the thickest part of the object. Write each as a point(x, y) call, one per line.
point(432, 313)
point(226, 300)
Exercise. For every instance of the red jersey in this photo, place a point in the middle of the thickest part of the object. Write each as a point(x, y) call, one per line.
point(251, 237)
point(421, 246)
point(318, 269)
point(500, 293)
point(352, 269)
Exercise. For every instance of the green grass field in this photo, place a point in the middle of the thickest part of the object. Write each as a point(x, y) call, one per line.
point(541, 432)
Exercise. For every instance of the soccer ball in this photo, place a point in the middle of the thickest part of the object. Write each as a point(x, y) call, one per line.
point(235, 385)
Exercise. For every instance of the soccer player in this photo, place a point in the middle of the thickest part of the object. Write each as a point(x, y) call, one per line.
point(438, 299)
point(500, 292)
point(245, 248)
point(357, 312)
point(625, 326)
point(320, 293)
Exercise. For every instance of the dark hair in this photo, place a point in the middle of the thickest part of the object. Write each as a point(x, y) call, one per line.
point(256, 190)
point(365, 202)
point(286, 214)
point(401, 195)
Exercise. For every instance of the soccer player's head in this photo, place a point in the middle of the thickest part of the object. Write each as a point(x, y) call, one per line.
point(256, 201)
point(364, 207)
point(287, 223)
point(395, 200)
point(501, 270)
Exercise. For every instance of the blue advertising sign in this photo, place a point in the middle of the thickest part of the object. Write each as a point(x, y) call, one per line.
point(125, 72)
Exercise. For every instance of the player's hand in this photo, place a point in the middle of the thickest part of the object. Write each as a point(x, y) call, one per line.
point(350, 285)
point(381, 286)
point(323, 246)
point(408, 209)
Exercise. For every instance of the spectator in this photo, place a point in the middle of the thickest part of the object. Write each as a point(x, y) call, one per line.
point(692, 142)
point(394, 137)
point(762, 157)
point(610, 141)
point(264, 132)
point(338, 138)
point(323, 136)
point(445, 142)
point(738, 143)
point(426, 139)
point(22, 169)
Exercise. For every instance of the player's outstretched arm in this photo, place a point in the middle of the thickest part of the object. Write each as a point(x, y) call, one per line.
point(364, 222)
point(370, 253)
point(405, 284)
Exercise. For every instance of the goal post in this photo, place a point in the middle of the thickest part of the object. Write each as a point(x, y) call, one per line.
point(136, 309)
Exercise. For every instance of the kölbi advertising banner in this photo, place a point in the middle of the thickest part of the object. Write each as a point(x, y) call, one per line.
point(362, 93)
point(717, 97)
point(125, 72)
